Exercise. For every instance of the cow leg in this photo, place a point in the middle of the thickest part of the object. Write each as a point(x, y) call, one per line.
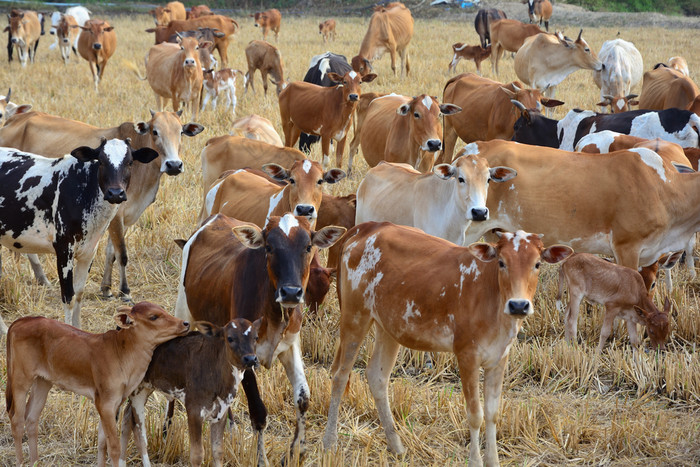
point(80, 273)
point(405, 62)
point(325, 150)
point(354, 145)
point(606, 329)
point(93, 70)
point(134, 420)
point(493, 384)
point(106, 285)
point(339, 150)
point(194, 427)
point(546, 25)
point(65, 265)
point(216, 439)
point(571, 319)
point(36, 44)
point(264, 78)
point(392, 53)
point(633, 332)
point(294, 367)
point(449, 136)
point(495, 52)
point(257, 412)
point(37, 401)
point(468, 364)
point(108, 416)
point(16, 407)
point(205, 101)
point(38, 270)
point(248, 80)
point(9, 46)
point(689, 262)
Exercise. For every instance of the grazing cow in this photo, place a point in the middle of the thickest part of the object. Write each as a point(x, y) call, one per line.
point(24, 32)
point(173, 11)
point(234, 270)
point(639, 209)
point(664, 88)
point(326, 112)
point(491, 114)
point(508, 35)
point(539, 11)
point(268, 21)
point(545, 60)
point(381, 281)
point(482, 23)
point(176, 370)
point(317, 73)
point(256, 127)
point(53, 136)
point(468, 52)
point(197, 11)
point(222, 81)
point(679, 64)
point(327, 30)
point(402, 129)
point(63, 206)
point(622, 69)
point(443, 203)
point(96, 44)
point(390, 29)
point(621, 290)
point(67, 32)
point(268, 59)
point(105, 368)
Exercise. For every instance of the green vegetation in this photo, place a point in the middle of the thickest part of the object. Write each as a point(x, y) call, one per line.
point(685, 7)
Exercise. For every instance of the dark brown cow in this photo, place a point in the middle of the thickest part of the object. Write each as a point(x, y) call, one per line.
point(269, 20)
point(482, 23)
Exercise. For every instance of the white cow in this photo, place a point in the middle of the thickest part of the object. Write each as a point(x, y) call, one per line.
point(623, 69)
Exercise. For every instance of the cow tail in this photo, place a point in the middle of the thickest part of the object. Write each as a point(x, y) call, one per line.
point(132, 66)
point(235, 23)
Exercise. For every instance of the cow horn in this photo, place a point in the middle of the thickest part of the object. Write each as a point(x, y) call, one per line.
point(179, 113)
point(519, 105)
point(631, 96)
point(7, 97)
point(153, 113)
point(579, 35)
point(515, 88)
point(609, 97)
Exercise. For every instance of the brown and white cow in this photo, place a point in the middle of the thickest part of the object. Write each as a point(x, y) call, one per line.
point(402, 129)
point(468, 52)
point(197, 11)
point(172, 11)
point(25, 31)
point(490, 113)
point(317, 110)
point(473, 306)
point(220, 82)
point(234, 270)
point(664, 88)
point(267, 58)
point(327, 30)
point(256, 127)
point(96, 44)
point(67, 32)
point(267, 21)
point(390, 30)
point(509, 35)
point(539, 11)
point(482, 24)
point(105, 368)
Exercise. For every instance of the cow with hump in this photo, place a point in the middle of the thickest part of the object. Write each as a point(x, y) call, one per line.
point(390, 30)
point(473, 306)
point(232, 269)
point(664, 88)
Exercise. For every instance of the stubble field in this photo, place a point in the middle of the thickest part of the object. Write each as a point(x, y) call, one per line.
point(560, 405)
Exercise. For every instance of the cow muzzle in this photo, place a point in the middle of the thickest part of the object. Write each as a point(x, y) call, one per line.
point(353, 97)
point(65, 41)
point(519, 307)
point(173, 167)
point(189, 62)
point(480, 214)
point(432, 145)
point(290, 296)
point(115, 195)
point(14, 40)
point(250, 361)
point(306, 210)
point(97, 46)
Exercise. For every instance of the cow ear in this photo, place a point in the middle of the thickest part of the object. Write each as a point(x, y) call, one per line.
point(147, 30)
point(641, 312)
point(335, 77)
point(179, 113)
point(669, 260)
point(256, 325)
point(556, 253)
point(144, 155)
point(123, 319)
point(219, 34)
point(550, 102)
point(684, 169)
point(334, 176)
point(604, 103)
point(142, 128)
point(111, 28)
point(7, 29)
point(276, 171)
point(509, 93)
point(206, 328)
point(205, 44)
point(85, 153)
point(181, 242)
point(450, 109)
point(633, 102)
point(502, 174)
point(192, 129)
point(483, 251)
point(368, 78)
point(250, 236)
point(24, 108)
point(444, 171)
point(403, 110)
point(327, 236)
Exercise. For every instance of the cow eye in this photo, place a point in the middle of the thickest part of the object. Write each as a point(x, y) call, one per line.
point(155, 132)
point(501, 264)
point(537, 265)
point(291, 181)
point(653, 284)
point(153, 317)
point(416, 114)
point(587, 50)
point(182, 48)
point(196, 47)
point(230, 339)
point(320, 182)
point(461, 180)
point(308, 248)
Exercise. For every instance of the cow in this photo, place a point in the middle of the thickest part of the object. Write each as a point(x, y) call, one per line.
point(402, 129)
point(8, 108)
point(233, 270)
point(176, 370)
point(105, 368)
point(53, 136)
point(197, 11)
point(267, 58)
point(326, 112)
point(468, 52)
point(491, 114)
point(390, 29)
point(473, 306)
point(539, 11)
point(96, 44)
point(67, 33)
point(267, 21)
point(622, 69)
point(319, 67)
point(679, 64)
point(482, 23)
point(640, 208)
point(24, 32)
point(508, 35)
point(258, 128)
point(545, 60)
point(222, 81)
point(64, 206)
point(327, 30)
point(621, 290)
point(443, 203)
point(664, 88)
point(173, 11)
point(80, 13)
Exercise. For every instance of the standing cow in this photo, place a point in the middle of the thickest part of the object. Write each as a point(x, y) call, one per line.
point(24, 30)
point(267, 21)
point(96, 44)
point(268, 59)
point(539, 11)
point(622, 69)
point(67, 32)
point(665, 88)
point(173, 11)
point(482, 23)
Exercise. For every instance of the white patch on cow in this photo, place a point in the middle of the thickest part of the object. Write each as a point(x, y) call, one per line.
point(178, 394)
point(471, 149)
point(473, 269)
point(411, 311)
point(443, 291)
point(602, 140)
point(340, 135)
point(649, 126)
point(306, 166)
point(318, 130)
point(370, 258)
point(653, 160)
point(370, 295)
point(569, 124)
point(512, 187)
point(115, 150)
point(233, 325)
point(620, 103)
point(324, 66)
point(211, 196)
point(427, 102)
point(274, 201)
point(352, 74)
point(218, 409)
point(287, 223)
point(247, 331)
point(560, 306)
point(520, 236)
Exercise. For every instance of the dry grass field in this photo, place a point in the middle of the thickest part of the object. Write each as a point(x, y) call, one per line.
point(560, 405)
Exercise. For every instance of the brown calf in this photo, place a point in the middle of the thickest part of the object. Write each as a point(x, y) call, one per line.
point(508, 35)
point(258, 128)
point(172, 11)
point(268, 21)
point(267, 58)
point(67, 32)
point(105, 368)
point(96, 44)
point(25, 31)
point(327, 30)
point(468, 52)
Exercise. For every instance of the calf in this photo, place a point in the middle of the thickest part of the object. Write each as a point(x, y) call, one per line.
point(470, 301)
point(620, 289)
point(67, 32)
point(222, 81)
point(105, 368)
point(173, 11)
point(267, 58)
point(177, 370)
point(468, 52)
point(256, 127)
point(327, 30)
point(25, 31)
point(482, 23)
point(96, 44)
point(268, 21)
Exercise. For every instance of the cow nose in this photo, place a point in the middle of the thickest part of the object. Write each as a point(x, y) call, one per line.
point(249, 361)
point(186, 324)
point(52, 32)
point(173, 167)
point(14, 40)
point(189, 62)
point(65, 41)
point(519, 307)
point(97, 46)
point(290, 294)
point(480, 214)
point(305, 210)
point(434, 145)
point(353, 97)
point(115, 195)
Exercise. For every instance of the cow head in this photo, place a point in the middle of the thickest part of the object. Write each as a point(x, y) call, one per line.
point(619, 104)
point(151, 323)
point(115, 158)
point(519, 258)
point(666, 262)
point(8, 109)
point(289, 245)
point(189, 52)
point(63, 30)
point(166, 129)
point(239, 337)
point(260, 19)
point(161, 15)
point(580, 54)
point(471, 175)
point(361, 65)
point(423, 113)
point(529, 98)
point(656, 321)
point(534, 128)
point(97, 30)
point(350, 84)
point(306, 179)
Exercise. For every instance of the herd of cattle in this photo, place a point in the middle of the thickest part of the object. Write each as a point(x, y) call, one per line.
point(253, 262)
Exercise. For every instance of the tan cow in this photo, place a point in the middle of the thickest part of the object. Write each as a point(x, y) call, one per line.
point(67, 32)
point(664, 88)
point(25, 31)
point(508, 35)
point(8, 108)
point(269, 20)
point(679, 64)
point(327, 30)
point(322, 111)
point(197, 11)
point(268, 59)
point(402, 129)
point(256, 127)
point(390, 29)
point(170, 12)
point(490, 114)
point(468, 52)
point(539, 11)
point(425, 293)
point(96, 44)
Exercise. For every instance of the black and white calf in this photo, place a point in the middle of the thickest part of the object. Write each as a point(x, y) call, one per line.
point(63, 206)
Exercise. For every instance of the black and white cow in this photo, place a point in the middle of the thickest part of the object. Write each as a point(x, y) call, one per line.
point(318, 71)
point(674, 125)
point(63, 206)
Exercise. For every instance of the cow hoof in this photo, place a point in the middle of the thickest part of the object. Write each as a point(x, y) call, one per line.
point(107, 293)
point(126, 298)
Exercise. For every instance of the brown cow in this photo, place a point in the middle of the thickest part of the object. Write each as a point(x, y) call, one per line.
point(327, 30)
point(390, 29)
point(171, 12)
point(468, 52)
point(482, 24)
point(539, 11)
point(508, 35)
point(67, 33)
point(472, 305)
point(269, 20)
point(25, 31)
point(267, 58)
point(664, 88)
point(256, 127)
point(679, 64)
point(96, 43)
point(197, 11)
point(322, 111)
point(103, 367)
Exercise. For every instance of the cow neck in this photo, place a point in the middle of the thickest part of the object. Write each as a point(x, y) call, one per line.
point(139, 351)
point(254, 296)
point(685, 187)
point(453, 216)
point(348, 107)
point(84, 186)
